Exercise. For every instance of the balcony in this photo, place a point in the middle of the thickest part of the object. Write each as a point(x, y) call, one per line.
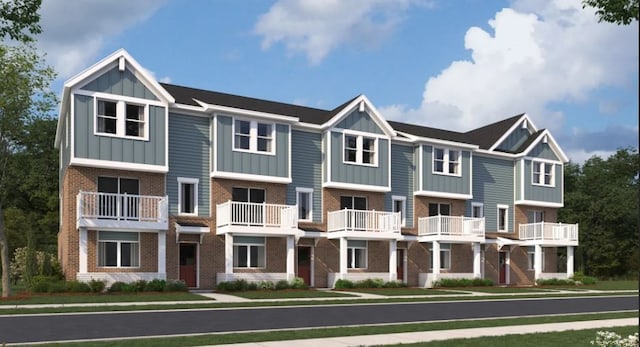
point(109, 211)
point(451, 229)
point(363, 224)
point(549, 234)
point(256, 218)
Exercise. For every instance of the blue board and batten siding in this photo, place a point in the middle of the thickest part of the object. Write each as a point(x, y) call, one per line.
point(515, 139)
point(534, 192)
point(436, 182)
point(359, 174)
point(492, 186)
point(240, 162)
point(402, 169)
point(544, 151)
point(306, 169)
point(188, 158)
point(360, 121)
point(90, 146)
point(119, 82)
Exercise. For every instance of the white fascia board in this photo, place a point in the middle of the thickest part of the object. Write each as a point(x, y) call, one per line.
point(513, 127)
point(353, 186)
point(118, 165)
point(314, 128)
point(402, 142)
point(449, 144)
point(232, 111)
point(443, 195)
point(189, 110)
point(250, 177)
point(502, 155)
point(553, 144)
point(538, 203)
point(373, 112)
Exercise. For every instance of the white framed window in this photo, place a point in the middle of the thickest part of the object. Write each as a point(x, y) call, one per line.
point(400, 205)
point(253, 136)
point(503, 218)
point(187, 196)
point(531, 258)
point(121, 119)
point(249, 252)
point(359, 149)
point(356, 254)
point(304, 200)
point(542, 173)
point(477, 210)
point(445, 256)
point(437, 209)
point(446, 161)
point(118, 249)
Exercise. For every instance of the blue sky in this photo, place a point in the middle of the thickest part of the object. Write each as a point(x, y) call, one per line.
point(454, 65)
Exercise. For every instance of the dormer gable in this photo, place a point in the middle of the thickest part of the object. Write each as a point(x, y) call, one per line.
point(515, 136)
point(543, 145)
point(360, 115)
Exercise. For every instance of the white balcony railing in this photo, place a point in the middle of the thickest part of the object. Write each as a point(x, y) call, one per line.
point(451, 225)
point(122, 207)
point(256, 215)
point(544, 231)
point(362, 220)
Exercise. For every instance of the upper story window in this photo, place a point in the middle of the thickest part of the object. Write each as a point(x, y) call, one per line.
point(305, 202)
point(188, 196)
point(119, 118)
point(253, 136)
point(503, 218)
point(543, 174)
point(400, 205)
point(477, 210)
point(446, 161)
point(359, 149)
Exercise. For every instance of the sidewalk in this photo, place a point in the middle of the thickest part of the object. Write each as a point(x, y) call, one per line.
point(427, 336)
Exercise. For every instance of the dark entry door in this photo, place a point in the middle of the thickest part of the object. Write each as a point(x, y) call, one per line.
point(304, 264)
point(502, 267)
point(188, 270)
point(400, 264)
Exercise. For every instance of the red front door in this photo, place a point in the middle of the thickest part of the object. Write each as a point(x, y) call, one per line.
point(304, 264)
point(188, 270)
point(502, 266)
point(400, 264)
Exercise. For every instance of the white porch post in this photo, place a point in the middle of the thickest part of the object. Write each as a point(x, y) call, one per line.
point(435, 262)
point(84, 240)
point(343, 258)
point(393, 260)
point(569, 261)
point(291, 272)
point(476, 260)
point(537, 259)
point(313, 265)
point(228, 257)
point(162, 254)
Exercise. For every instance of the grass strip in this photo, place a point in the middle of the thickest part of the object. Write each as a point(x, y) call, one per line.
point(405, 291)
point(288, 294)
point(282, 335)
point(77, 298)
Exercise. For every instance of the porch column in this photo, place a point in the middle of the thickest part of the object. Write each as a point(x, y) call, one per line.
point(313, 265)
point(393, 260)
point(343, 258)
point(569, 261)
point(162, 254)
point(291, 272)
point(435, 262)
point(476, 260)
point(228, 257)
point(84, 241)
point(537, 260)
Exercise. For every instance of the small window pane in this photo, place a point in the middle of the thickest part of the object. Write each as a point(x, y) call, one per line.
point(359, 203)
point(240, 194)
point(111, 254)
point(264, 130)
point(256, 195)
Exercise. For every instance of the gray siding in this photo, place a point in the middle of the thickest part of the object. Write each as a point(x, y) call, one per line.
point(120, 83)
point(493, 185)
point(518, 178)
point(360, 121)
point(541, 193)
point(306, 168)
point(445, 183)
point(402, 169)
point(251, 163)
point(543, 150)
point(90, 146)
point(359, 174)
point(188, 157)
point(515, 139)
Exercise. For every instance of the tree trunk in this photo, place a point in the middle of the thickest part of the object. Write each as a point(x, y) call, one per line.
point(4, 257)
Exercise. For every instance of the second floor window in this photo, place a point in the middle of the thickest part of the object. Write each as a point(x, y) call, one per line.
point(503, 218)
point(543, 174)
point(359, 149)
point(446, 161)
point(188, 195)
point(121, 118)
point(304, 204)
point(253, 136)
point(107, 117)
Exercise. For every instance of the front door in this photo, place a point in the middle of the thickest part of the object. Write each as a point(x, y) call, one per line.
point(304, 264)
point(502, 267)
point(400, 264)
point(188, 264)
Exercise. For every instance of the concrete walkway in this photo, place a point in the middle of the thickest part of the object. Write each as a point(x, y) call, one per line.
point(427, 336)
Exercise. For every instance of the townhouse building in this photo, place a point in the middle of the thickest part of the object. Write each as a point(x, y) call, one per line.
point(165, 181)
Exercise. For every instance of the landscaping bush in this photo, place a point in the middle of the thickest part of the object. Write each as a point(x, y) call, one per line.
point(554, 282)
point(97, 286)
point(117, 287)
point(394, 284)
point(298, 283)
point(175, 286)
point(57, 287)
point(369, 283)
point(282, 285)
point(40, 284)
point(76, 287)
point(266, 285)
point(139, 285)
point(344, 284)
point(155, 285)
point(463, 282)
point(580, 277)
point(233, 286)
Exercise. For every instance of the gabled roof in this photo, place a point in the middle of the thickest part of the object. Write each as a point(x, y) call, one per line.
point(361, 103)
point(488, 135)
point(432, 133)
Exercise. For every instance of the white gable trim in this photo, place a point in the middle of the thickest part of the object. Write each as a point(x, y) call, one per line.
point(552, 143)
point(361, 103)
point(525, 118)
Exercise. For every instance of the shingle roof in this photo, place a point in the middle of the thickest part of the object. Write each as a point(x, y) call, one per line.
point(428, 132)
point(487, 135)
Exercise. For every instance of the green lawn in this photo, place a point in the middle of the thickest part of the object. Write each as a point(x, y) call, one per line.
point(404, 291)
point(501, 290)
point(67, 298)
point(216, 339)
point(605, 285)
point(288, 294)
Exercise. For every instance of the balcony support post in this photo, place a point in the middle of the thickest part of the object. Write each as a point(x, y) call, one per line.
point(435, 261)
point(393, 260)
point(476, 260)
point(291, 244)
point(569, 261)
point(84, 241)
point(228, 256)
point(537, 258)
point(343, 258)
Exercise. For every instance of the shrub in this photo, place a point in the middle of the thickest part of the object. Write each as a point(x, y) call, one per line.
point(139, 285)
point(117, 287)
point(611, 339)
point(266, 285)
point(394, 284)
point(298, 283)
point(369, 283)
point(41, 284)
point(282, 285)
point(97, 286)
point(463, 282)
point(580, 277)
point(554, 282)
point(175, 286)
point(344, 284)
point(76, 287)
point(57, 287)
point(233, 286)
point(155, 285)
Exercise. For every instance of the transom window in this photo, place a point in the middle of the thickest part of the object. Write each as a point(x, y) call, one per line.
point(188, 195)
point(359, 149)
point(543, 174)
point(446, 161)
point(118, 249)
point(253, 136)
point(356, 254)
point(119, 118)
point(248, 252)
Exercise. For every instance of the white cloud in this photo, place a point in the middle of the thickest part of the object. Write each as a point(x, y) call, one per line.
point(75, 31)
point(315, 28)
point(539, 53)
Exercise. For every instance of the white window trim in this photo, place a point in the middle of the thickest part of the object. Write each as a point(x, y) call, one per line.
point(445, 163)
point(118, 253)
point(353, 258)
point(360, 149)
point(506, 218)
point(253, 136)
point(477, 204)
point(447, 251)
point(121, 118)
point(543, 165)
point(250, 244)
point(403, 199)
point(195, 182)
point(310, 201)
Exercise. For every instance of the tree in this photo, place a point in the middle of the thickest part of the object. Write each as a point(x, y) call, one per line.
point(16, 16)
point(621, 12)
